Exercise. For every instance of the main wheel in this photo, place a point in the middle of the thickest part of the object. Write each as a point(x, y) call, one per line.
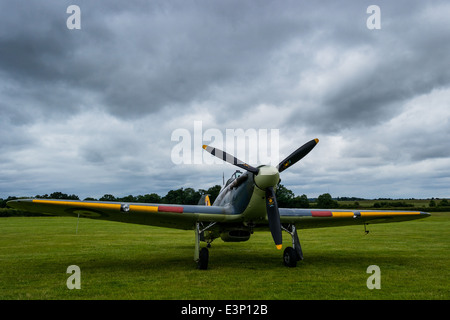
point(290, 257)
point(202, 263)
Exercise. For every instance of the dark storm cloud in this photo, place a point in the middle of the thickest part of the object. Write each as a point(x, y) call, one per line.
point(191, 49)
point(139, 57)
point(379, 70)
point(114, 90)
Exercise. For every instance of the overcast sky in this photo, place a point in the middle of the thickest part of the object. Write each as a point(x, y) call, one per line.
point(92, 111)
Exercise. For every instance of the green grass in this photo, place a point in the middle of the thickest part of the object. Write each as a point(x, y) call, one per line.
point(124, 261)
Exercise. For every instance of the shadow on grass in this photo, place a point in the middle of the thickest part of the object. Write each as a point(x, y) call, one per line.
point(229, 258)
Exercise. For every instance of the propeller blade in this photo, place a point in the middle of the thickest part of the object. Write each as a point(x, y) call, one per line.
point(273, 215)
point(297, 155)
point(230, 159)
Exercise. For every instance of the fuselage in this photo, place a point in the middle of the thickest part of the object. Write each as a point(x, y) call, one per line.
point(244, 194)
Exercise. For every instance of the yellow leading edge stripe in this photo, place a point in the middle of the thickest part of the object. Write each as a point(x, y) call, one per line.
point(81, 204)
point(143, 208)
point(393, 213)
point(98, 205)
point(349, 214)
point(342, 214)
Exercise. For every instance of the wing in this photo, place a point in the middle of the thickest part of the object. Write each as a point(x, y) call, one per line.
point(319, 218)
point(163, 215)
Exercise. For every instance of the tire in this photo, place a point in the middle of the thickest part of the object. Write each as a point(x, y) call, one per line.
point(202, 263)
point(290, 257)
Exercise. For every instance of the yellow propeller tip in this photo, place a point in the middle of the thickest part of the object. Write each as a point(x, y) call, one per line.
point(279, 246)
point(317, 140)
point(204, 146)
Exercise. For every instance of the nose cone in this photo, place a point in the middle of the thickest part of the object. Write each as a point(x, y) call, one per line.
point(267, 176)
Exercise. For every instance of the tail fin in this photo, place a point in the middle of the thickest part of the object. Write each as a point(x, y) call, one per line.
point(204, 200)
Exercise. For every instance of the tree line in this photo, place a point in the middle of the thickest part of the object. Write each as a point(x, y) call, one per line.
point(285, 198)
point(178, 196)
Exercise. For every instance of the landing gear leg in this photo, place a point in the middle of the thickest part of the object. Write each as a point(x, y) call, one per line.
point(197, 242)
point(292, 254)
point(201, 256)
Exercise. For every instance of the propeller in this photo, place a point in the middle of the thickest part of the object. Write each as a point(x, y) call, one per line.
point(297, 155)
point(273, 215)
point(230, 159)
point(266, 178)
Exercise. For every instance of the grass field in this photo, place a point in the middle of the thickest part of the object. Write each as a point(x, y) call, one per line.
point(124, 261)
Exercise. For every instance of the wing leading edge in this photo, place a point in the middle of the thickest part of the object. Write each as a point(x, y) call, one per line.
point(163, 215)
point(319, 218)
point(186, 216)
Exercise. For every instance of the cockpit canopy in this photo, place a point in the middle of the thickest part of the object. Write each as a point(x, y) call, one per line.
point(234, 176)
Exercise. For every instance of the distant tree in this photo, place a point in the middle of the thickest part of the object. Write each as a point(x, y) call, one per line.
point(284, 196)
point(129, 198)
point(191, 196)
point(325, 201)
point(300, 201)
point(174, 196)
point(444, 203)
point(108, 197)
point(432, 204)
point(8, 199)
point(149, 198)
point(59, 195)
point(45, 196)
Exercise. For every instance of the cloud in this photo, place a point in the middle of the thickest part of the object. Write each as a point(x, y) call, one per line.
point(93, 110)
